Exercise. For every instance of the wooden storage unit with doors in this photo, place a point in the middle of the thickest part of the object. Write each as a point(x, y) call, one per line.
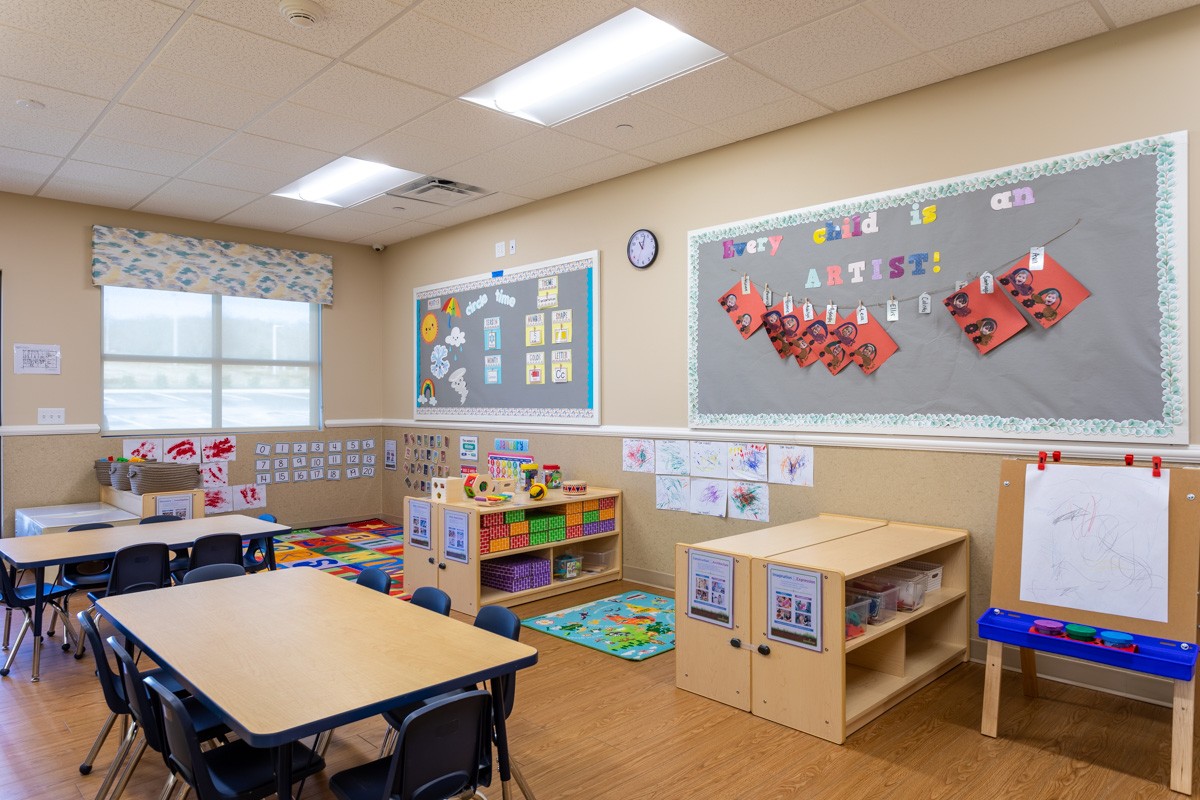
point(834, 691)
point(713, 645)
point(457, 540)
point(190, 501)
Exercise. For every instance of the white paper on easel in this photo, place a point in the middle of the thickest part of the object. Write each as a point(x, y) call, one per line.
point(1096, 539)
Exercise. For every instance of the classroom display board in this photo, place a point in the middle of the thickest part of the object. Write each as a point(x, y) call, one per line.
point(1113, 547)
point(518, 345)
point(1047, 298)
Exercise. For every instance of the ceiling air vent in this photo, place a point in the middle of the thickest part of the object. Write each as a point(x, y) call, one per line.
point(439, 190)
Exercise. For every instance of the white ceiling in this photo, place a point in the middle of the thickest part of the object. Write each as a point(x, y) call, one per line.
point(201, 109)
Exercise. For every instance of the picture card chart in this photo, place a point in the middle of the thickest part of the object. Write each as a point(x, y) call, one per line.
point(425, 458)
point(1096, 539)
point(1022, 270)
point(514, 345)
point(794, 606)
point(710, 587)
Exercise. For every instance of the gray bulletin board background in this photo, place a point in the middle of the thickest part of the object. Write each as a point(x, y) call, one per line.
point(450, 379)
point(1114, 369)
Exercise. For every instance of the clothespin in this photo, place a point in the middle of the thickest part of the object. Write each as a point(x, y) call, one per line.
point(1129, 459)
point(1041, 459)
point(1157, 462)
point(1057, 456)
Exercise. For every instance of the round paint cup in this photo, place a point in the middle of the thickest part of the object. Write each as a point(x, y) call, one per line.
point(1081, 633)
point(1049, 627)
point(1116, 638)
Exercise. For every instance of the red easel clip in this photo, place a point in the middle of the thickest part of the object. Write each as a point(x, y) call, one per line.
point(1129, 459)
point(1041, 459)
point(1057, 456)
point(1157, 462)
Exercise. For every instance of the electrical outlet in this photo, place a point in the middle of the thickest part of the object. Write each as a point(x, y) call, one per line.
point(52, 416)
point(512, 247)
point(499, 249)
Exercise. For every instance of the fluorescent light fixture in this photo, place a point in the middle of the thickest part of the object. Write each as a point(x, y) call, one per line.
point(631, 51)
point(346, 182)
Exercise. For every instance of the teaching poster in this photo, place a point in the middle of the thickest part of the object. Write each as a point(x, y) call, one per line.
point(418, 524)
point(710, 587)
point(794, 606)
point(1045, 299)
point(455, 529)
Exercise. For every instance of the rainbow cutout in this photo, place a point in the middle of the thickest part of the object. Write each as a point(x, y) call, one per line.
point(427, 389)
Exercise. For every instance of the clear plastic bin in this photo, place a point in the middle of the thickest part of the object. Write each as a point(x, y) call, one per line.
point(883, 597)
point(857, 616)
point(910, 583)
point(933, 573)
point(599, 560)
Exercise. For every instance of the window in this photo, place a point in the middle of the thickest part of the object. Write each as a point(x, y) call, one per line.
point(177, 361)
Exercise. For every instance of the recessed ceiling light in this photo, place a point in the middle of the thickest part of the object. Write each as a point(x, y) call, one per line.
point(629, 52)
point(624, 127)
point(346, 181)
point(30, 105)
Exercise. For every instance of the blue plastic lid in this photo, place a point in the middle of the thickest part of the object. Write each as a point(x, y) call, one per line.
point(1115, 638)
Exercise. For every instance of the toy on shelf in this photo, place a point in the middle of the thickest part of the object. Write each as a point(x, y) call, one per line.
point(574, 488)
point(537, 491)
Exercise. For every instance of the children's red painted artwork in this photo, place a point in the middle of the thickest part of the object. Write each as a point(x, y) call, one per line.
point(1048, 294)
point(988, 320)
point(185, 450)
point(783, 328)
point(745, 307)
point(217, 501)
point(219, 448)
point(839, 344)
point(872, 345)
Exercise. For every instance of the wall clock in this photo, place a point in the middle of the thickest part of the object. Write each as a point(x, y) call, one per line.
point(642, 248)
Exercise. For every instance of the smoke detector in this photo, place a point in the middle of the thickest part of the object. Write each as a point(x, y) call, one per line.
point(301, 13)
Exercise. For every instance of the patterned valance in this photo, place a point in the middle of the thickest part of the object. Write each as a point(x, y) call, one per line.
point(148, 260)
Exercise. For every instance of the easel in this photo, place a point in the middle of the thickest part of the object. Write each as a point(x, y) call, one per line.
point(1167, 649)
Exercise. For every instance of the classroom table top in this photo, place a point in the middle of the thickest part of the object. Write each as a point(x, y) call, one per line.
point(286, 654)
point(49, 549)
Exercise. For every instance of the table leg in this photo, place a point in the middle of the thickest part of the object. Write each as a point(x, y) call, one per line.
point(283, 771)
point(501, 739)
point(269, 551)
point(1029, 683)
point(991, 689)
point(39, 603)
point(1183, 722)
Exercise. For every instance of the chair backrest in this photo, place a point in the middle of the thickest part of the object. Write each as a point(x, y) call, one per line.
point(216, 548)
point(502, 622)
point(179, 734)
point(444, 748)
point(8, 590)
point(158, 518)
point(89, 526)
point(213, 572)
point(433, 599)
point(110, 682)
point(140, 567)
point(375, 578)
point(138, 696)
point(268, 517)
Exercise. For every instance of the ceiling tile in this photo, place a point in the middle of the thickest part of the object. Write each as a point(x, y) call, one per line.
point(1025, 38)
point(470, 128)
point(409, 230)
point(62, 65)
point(715, 92)
point(92, 193)
point(37, 138)
point(193, 97)
point(345, 225)
point(229, 55)
point(289, 159)
point(685, 144)
point(99, 184)
point(884, 82)
point(644, 124)
point(606, 168)
point(366, 96)
point(937, 23)
point(1127, 12)
point(345, 23)
point(429, 53)
point(22, 171)
point(191, 200)
point(66, 110)
point(556, 151)
point(237, 176)
point(494, 173)
point(398, 149)
point(154, 129)
point(83, 172)
point(129, 155)
point(311, 128)
point(531, 27)
point(277, 213)
point(492, 204)
point(732, 28)
point(398, 208)
point(549, 186)
point(829, 50)
point(128, 28)
point(780, 114)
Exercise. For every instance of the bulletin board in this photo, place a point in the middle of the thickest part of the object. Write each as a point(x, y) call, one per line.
point(1181, 579)
point(518, 345)
point(1095, 351)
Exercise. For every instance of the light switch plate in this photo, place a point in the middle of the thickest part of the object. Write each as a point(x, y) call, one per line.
point(52, 416)
point(499, 249)
point(512, 246)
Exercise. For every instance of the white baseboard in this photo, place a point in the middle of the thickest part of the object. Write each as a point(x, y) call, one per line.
point(659, 580)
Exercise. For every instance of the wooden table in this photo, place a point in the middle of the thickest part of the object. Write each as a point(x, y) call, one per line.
point(384, 653)
point(55, 549)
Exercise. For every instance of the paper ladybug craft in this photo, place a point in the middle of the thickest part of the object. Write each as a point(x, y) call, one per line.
point(987, 320)
point(1048, 294)
point(810, 343)
point(835, 355)
point(784, 329)
point(744, 306)
point(872, 346)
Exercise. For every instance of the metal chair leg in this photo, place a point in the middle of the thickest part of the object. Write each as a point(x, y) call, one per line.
point(127, 772)
point(101, 738)
point(389, 742)
point(169, 787)
point(118, 760)
point(7, 627)
point(12, 654)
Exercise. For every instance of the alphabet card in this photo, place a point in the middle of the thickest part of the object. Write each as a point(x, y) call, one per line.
point(1048, 294)
point(988, 320)
point(744, 306)
point(872, 346)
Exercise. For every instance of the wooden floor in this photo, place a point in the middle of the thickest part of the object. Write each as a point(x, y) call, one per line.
point(588, 725)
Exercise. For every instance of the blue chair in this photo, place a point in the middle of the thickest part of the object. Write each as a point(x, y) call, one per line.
point(215, 548)
point(89, 575)
point(179, 558)
point(213, 572)
point(432, 599)
point(375, 578)
point(255, 559)
point(444, 750)
point(232, 771)
point(136, 568)
point(23, 598)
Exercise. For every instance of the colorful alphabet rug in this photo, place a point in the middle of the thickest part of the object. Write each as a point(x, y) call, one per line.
point(633, 625)
point(345, 550)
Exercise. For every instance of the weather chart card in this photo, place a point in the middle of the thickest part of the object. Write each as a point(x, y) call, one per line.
point(839, 343)
point(872, 346)
point(744, 306)
point(1047, 294)
point(988, 320)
